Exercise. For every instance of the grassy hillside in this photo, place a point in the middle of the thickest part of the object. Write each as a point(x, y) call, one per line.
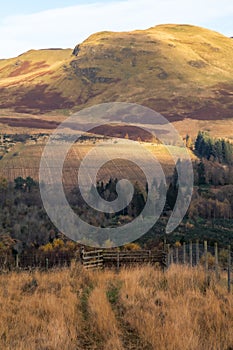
point(24, 159)
point(140, 308)
point(181, 71)
point(170, 68)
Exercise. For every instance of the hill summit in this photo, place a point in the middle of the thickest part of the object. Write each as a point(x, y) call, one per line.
point(178, 70)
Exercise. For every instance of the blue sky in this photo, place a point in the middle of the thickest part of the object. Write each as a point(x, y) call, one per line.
point(28, 25)
point(12, 7)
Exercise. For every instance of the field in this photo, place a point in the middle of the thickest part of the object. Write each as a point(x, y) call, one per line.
point(139, 308)
point(23, 159)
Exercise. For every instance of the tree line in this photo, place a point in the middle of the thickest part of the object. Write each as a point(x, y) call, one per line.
point(219, 150)
point(23, 217)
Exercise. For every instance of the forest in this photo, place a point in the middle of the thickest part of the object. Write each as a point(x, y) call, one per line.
point(23, 218)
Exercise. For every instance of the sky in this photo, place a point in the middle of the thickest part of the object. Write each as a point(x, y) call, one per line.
point(26, 25)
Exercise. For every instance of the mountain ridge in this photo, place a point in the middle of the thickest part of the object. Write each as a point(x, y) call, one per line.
point(181, 71)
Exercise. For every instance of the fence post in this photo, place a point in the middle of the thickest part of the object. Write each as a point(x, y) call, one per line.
point(197, 252)
point(171, 256)
point(47, 263)
point(168, 255)
point(184, 253)
point(191, 253)
point(216, 261)
point(100, 258)
point(149, 254)
point(164, 244)
point(5, 261)
point(17, 260)
point(206, 260)
point(177, 255)
point(229, 269)
point(81, 254)
point(118, 261)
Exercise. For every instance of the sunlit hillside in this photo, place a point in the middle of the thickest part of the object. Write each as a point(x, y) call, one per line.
point(182, 71)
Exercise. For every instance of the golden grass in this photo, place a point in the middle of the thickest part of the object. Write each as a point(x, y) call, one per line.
point(104, 323)
point(42, 317)
point(138, 308)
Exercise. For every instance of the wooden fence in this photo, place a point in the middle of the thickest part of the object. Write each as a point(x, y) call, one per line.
point(92, 259)
point(112, 258)
point(212, 258)
point(193, 254)
point(95, 259)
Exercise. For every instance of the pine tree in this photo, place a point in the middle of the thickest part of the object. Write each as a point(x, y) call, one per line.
point(209, 148)
point(198, 142)
point(201, 173)
point(171, 196)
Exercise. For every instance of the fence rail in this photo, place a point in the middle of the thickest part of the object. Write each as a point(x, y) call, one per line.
point(92, 259)
point(113, 258)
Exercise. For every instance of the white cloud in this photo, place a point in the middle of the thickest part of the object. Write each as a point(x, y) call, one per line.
point(68, 26)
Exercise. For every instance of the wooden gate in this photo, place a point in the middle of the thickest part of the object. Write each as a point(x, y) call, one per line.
point(92, 259)
point(98, 259)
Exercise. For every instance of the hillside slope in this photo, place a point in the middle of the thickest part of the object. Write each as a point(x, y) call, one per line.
point(178, 70)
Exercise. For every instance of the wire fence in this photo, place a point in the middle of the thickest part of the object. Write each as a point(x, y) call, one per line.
point(212, 258)
point(36, 260)
point(194, 253)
